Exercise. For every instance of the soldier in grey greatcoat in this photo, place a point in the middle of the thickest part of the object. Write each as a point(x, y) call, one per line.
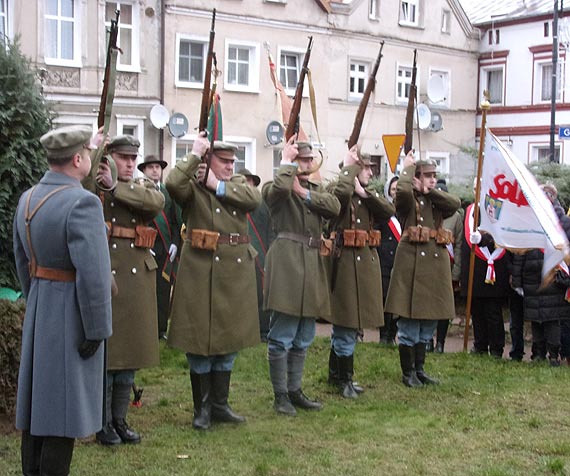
point(356, 281)
point(296, 285)
point(129, 205)
point(214, 307)
point(420, 289)
point(63, 265)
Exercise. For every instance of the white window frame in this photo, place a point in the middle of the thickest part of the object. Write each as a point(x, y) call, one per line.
point(535, 147)
point(406, 21)
point(300, 52)
point(7, 20)
point(191, 38)
point(446, 21)
point(77, 41)
point(373, 9)
point(442, 158)
point(446, 75)
point(539, 66)
point(133, 121)
point(135, 65)
point(484, 84)
point(402, 99)
point(79, 119)
point(357, 75)
point(253, 66)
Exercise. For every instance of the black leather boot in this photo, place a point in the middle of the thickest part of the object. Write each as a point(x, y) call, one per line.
point(119, 407)
point(221, 410)
point(407, 362)
point(299, 399)
point(278, 375)
point(107, 435)
point(333, 368)
point(295, 366)
point(201, 384)
point(283, 405)
point(346, 370)
point(420, 358)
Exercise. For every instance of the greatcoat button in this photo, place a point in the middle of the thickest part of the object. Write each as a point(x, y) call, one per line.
point(113, 272)
point(114, 246)
point(359, 202)
point(113, 220)
point(422, 203)
point(436, 255)
point(134, 270)
point(184, 159)
point(132, 245)
point(358, 258)
point(377, 194)
point(239, 260)
point(217, 210)
point(132, 187)
point(423, 253)
point(345, 172)
point(358, 220)
point(234, 213)
point(217, 258)
point(133, 220)
point(112, 204)
point(234, 189)
point(421, 218)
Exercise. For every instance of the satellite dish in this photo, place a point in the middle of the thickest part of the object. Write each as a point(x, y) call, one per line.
point(274, 132)
point(423, 116)
point(436, 123)
point(178, 125)
point(159, 116)
point(436, 89)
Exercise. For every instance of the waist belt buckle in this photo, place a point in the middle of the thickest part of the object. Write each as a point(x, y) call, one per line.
point(233, 239)
point(311, 242)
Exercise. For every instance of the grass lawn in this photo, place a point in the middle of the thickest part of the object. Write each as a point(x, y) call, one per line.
point(488, 418)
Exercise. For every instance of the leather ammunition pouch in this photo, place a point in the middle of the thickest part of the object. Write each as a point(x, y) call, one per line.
point(145, 236)
point(374, 238)
point(422, 234)
point(326, 248)
point(360, 238)
point(443, 236)
point(204, 239)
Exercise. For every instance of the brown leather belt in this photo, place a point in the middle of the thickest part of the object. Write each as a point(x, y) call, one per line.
point(309, 241)
point(123, 232)
point(233, 239)
point(432, 233)
point(52, 274)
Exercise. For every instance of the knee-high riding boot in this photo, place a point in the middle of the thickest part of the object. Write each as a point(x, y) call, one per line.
point(420, 357)
point(221, 410)
point(407, 362)
point(201, 385)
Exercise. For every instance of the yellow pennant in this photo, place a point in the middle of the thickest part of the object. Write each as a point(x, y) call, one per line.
point(393, 145)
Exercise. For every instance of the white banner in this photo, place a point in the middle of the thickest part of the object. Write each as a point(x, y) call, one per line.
point(515, 210)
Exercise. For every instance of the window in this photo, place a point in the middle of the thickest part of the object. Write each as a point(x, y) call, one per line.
point(546, 29)
point(62, 40)
point(290, 63)
point(4, 21)
point(409, 12)
point(373, 9)
point(445, 21)
point(242, 66)
point(358, 79)
point(545, 81)
point(128, 38)
point(439, 90)
point(403, 83)
point(191, 61)
point(492, 79)
point(442, 160)
point(182, 149)
point(541, 153)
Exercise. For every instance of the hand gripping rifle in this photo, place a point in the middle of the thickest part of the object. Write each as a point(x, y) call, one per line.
point(410, 110)
point(206, 94)
point(293, 123)
point(358, 120)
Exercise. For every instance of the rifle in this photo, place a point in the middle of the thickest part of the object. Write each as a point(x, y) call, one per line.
point(410, 110)
point(359, 119)
point(293, 123)
point(206, 93)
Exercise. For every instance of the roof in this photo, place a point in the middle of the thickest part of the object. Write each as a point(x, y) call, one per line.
point(486, 11)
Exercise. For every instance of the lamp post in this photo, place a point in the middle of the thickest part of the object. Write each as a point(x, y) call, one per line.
point(554, 82)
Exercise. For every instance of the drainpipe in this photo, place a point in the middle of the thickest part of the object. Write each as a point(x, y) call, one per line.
point(162, 48)
point(554, 81)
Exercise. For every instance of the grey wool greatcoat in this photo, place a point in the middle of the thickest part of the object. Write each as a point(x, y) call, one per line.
point(59, 393)
point(356, 299)
point(296, 280)
point(420, 287)
point(134, 343)
point(214, 308)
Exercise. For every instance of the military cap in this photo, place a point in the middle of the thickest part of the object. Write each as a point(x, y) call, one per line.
point(248, 174)
point(305, 151)
point(426, 166)
point(66, 141)
point(151, 159)
point(364, 159)
point(124, 144)
point(224, 150)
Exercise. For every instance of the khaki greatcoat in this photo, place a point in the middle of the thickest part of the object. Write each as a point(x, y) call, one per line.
point(356, 300)
point(420, 287)
point(134, 343)
point(214, 308)
point(296, 280)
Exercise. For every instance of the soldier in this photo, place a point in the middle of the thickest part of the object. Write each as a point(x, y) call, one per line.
point(356, 282)
point(214, 312)
point(262, 235)
point(296, 286)
point(128, 205)
point(167, 223)
point(63, 265)
point(420, 289)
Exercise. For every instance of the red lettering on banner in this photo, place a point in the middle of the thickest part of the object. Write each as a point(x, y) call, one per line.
point(508, 190)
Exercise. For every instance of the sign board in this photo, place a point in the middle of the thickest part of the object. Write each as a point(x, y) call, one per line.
point(564, 132)
point(393, 145)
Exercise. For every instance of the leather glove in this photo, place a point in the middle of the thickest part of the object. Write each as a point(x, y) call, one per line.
point(476, 237)
point(172, 252)
point(88, 348)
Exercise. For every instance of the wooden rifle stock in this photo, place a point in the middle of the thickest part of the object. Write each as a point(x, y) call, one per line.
point(108, 93)
point(359, 119)
point(293, 124)
point(410, 110)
